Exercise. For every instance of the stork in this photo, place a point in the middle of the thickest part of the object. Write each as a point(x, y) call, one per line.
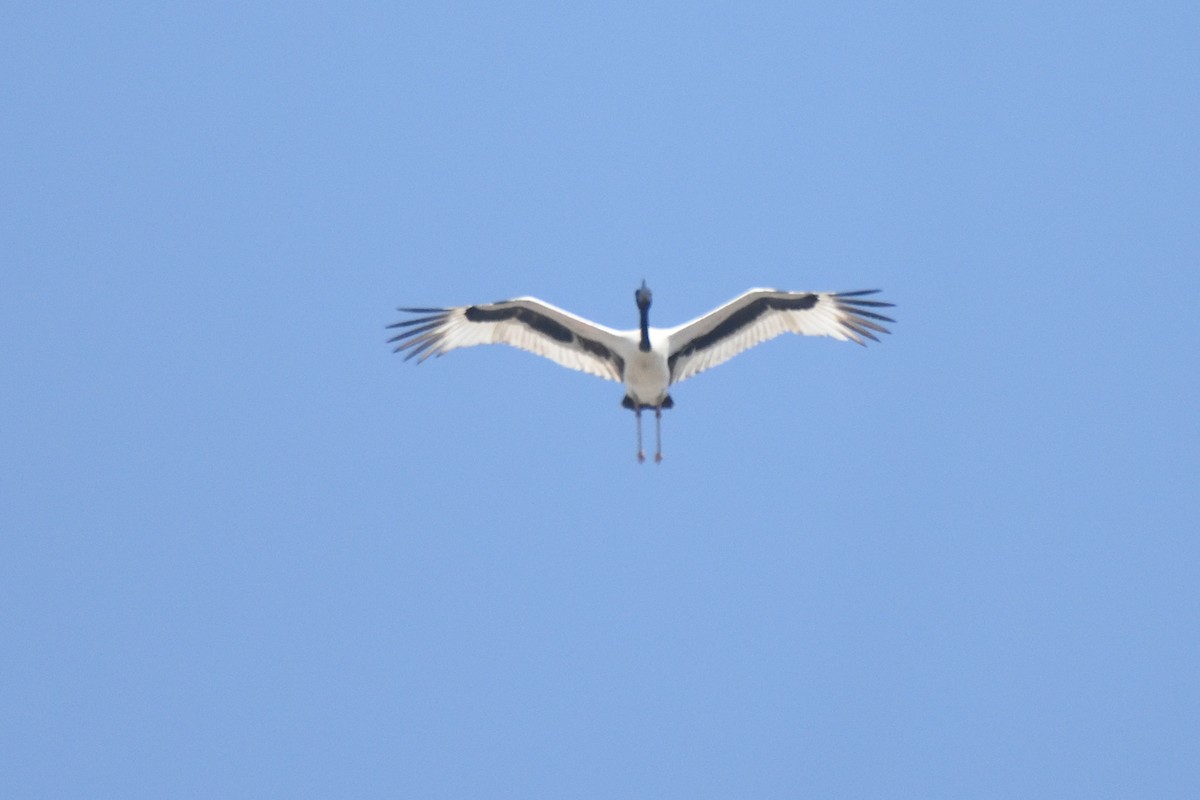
point(647, 360)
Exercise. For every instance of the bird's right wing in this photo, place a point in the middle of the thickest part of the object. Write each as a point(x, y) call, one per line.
point(526, 323)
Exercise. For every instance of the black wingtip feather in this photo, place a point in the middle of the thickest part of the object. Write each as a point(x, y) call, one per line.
point(860, 329)
point(858, 316)
point(418, 348)
point(872, 315)
point(415, 331)
point(866, 323)
point(868, 304)
point(417, 321)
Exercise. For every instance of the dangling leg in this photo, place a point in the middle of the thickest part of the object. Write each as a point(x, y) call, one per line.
point(658, 434)
point(637, 412)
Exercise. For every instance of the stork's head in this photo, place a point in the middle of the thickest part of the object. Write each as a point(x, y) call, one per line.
point(643, 297)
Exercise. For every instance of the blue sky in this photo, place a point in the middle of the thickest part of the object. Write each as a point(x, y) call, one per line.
point(246, 551)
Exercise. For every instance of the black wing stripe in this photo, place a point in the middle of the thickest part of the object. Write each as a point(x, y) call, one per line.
point(425, 335)
point(740, 319)
point(540, 323)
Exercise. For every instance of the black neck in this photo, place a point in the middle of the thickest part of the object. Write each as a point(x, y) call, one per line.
point(644, 345)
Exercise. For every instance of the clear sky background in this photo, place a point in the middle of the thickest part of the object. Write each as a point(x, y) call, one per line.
point(245, 551)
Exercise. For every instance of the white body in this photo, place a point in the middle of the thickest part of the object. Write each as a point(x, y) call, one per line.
point(647, 377)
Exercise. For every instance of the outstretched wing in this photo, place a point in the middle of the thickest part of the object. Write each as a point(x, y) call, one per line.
point(526, 323)
point(762, 314)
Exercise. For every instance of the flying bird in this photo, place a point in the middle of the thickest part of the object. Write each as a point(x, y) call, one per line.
point(647, 360)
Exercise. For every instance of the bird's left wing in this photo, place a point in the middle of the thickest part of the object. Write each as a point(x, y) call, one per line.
point(762, 314)
point(526, 323)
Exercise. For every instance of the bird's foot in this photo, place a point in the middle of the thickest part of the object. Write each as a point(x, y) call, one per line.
point(641, 457)
point(658, 458)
